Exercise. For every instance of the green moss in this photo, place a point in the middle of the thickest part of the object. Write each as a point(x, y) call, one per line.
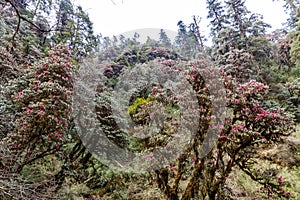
point(137, 103)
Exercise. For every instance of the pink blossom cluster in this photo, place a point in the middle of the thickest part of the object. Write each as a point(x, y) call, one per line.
point(49, 96)
point(253, 87)
point(265, 113)
point(172, 168)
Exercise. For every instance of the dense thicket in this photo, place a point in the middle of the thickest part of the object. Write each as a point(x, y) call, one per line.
point(45, 46)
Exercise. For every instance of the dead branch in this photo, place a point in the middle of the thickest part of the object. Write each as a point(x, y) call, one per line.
point(198, 34)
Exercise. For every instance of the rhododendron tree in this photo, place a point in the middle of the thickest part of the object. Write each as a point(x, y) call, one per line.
point(43, 103)
point(203, 168)
point(248, 128)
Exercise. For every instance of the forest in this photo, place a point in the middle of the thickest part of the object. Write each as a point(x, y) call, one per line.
point(88, 116)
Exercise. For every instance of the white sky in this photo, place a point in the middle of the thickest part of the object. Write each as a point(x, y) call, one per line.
point(127, 15)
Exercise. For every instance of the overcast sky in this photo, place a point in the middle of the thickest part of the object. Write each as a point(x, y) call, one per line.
point(114, 17)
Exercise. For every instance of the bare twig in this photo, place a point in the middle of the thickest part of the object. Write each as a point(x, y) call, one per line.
point(20, 17)
point(16, 186)
point(36, 8)
point(113, 2)
point(198, 31)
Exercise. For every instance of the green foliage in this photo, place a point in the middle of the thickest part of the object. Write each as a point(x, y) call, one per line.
point(295, 48)
point(42, 156)
point(137, 104)
point(241, 185)
point(42, 99)
point(293, 99)
point(186, 42)
point(297, 132)
point(37, 31)
point(216, 12)
point(292, 8)
point(164, 39)
point(76, 30)
point(251, 126)
point(295, 72)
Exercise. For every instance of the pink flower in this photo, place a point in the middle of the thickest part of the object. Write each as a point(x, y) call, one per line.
point(221, 126)
point(240, 127)
point(151, 115)
point(222, 135)
point(192, 76)
point(41, 112)
point(28, 110)
point(240, 88)
point(171, 167)
point(259, 116)
point(149, 156)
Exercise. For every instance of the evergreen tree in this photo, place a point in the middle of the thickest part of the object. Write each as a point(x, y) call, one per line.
point(238, 12)
point(292, 7)
point(238, 31)
point(75, 28)
point(65, 22)
point(186, 40)
point(217, 16)
point(164, 40)
point(152, 42)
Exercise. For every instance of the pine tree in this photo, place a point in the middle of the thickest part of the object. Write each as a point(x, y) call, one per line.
point(186, 40)
point(239, 34)
point(164, 40)
point(75, 29)
point(238, 16)
point(292, 7)
point(217, 16)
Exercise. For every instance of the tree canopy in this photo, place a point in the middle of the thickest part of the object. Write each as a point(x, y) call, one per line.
point(88, 116)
